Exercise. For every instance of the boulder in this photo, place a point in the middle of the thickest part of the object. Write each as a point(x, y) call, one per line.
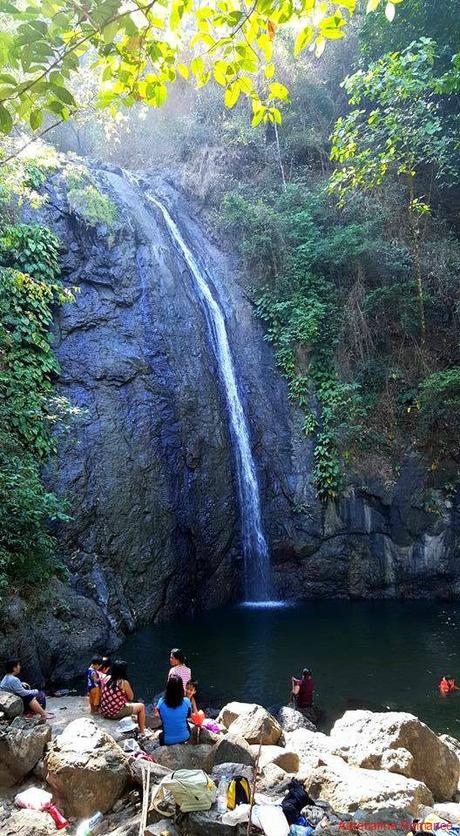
point(348, 788)
point(157, 772)
point(448, 811)
point(11, 706)
point(87, 770)
point(21, 748)
point(28, 823)
point(309, 745)
point(232, 749)
point(451, 742)
point(256, 726)
point(202, 735)
point(232, 711)
point(208, 824)
point(364, 738)
point(398, 760)
point(273, 781)
point(367, 823)
point(231, 770)
point(164, 827)
point(285, 759)
point(184, 756)
point(290, 720)
point(152, 721)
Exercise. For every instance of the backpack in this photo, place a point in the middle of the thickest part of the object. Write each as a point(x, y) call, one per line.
point(190, 789)
point(238, 792)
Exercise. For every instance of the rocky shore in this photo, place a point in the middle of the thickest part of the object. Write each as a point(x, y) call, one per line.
point(374, 770)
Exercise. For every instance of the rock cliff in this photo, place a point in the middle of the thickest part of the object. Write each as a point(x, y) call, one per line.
point(147, 466)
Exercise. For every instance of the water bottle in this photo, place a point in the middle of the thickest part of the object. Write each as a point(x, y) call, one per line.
point(222, 795)
point(89, 826)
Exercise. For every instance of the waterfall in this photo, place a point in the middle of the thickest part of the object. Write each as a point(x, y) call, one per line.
point(255, 549)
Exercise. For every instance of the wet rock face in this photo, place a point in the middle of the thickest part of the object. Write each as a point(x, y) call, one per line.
point(147, 467)
point(379, 541)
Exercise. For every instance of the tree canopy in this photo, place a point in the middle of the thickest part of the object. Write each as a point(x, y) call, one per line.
point(139, 47)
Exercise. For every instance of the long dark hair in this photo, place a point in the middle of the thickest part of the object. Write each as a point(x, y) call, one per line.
point(118, 671)
point(174, 694)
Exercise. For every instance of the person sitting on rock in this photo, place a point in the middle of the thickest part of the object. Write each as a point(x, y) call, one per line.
point(117, 696)
point(190, 692)
point(302, 690)
point(34, 700)
point(93, 683)
point(174, 710)
point(197, 716)
point(179, 666)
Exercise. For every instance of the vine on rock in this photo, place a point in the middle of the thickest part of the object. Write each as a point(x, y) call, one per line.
point(29, 291)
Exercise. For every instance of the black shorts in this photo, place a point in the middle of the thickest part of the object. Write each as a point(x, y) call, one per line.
point(40, 699)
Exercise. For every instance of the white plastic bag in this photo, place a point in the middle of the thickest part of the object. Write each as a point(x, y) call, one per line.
point(270, 819)
point(237, 816)
point(33, 799)
point(130, 745)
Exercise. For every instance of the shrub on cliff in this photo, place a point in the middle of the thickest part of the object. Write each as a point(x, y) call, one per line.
point(29, 290)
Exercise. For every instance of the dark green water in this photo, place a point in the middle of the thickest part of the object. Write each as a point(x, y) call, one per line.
point(372, 654)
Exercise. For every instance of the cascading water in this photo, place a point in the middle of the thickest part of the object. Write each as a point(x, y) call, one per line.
point(255, 549)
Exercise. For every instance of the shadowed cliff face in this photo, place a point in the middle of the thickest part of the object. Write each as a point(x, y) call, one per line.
point(147, 468)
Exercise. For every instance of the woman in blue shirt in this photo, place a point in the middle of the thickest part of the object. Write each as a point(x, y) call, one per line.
point(174, 710)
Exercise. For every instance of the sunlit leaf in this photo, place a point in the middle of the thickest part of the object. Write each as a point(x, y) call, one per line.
point(303, 39)
point(6, 120)
point(232, 95)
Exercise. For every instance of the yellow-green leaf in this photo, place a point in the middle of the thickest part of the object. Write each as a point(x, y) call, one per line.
point(372, 5)
point(232, 94)
point(197, 66)
point(303, 39)
point(36, 119)
point(109, 32)
point(183, 70)
point(278, 91)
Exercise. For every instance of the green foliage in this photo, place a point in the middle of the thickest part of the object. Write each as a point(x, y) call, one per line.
point(86, 200)
point(139, 49)
point(400, 123)
point(31, 249)
point(92, 206)
point(27, 550)
point(294, 232)
point(439, 411)
point(29, 290)
point(415, 19)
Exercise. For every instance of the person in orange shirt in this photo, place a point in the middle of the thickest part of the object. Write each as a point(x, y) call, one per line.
point(447, 686)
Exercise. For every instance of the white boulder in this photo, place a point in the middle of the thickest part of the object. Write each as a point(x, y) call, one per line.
point(87, 770)
point(365, 739)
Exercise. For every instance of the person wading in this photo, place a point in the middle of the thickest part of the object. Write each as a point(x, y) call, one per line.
point(302, 690)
